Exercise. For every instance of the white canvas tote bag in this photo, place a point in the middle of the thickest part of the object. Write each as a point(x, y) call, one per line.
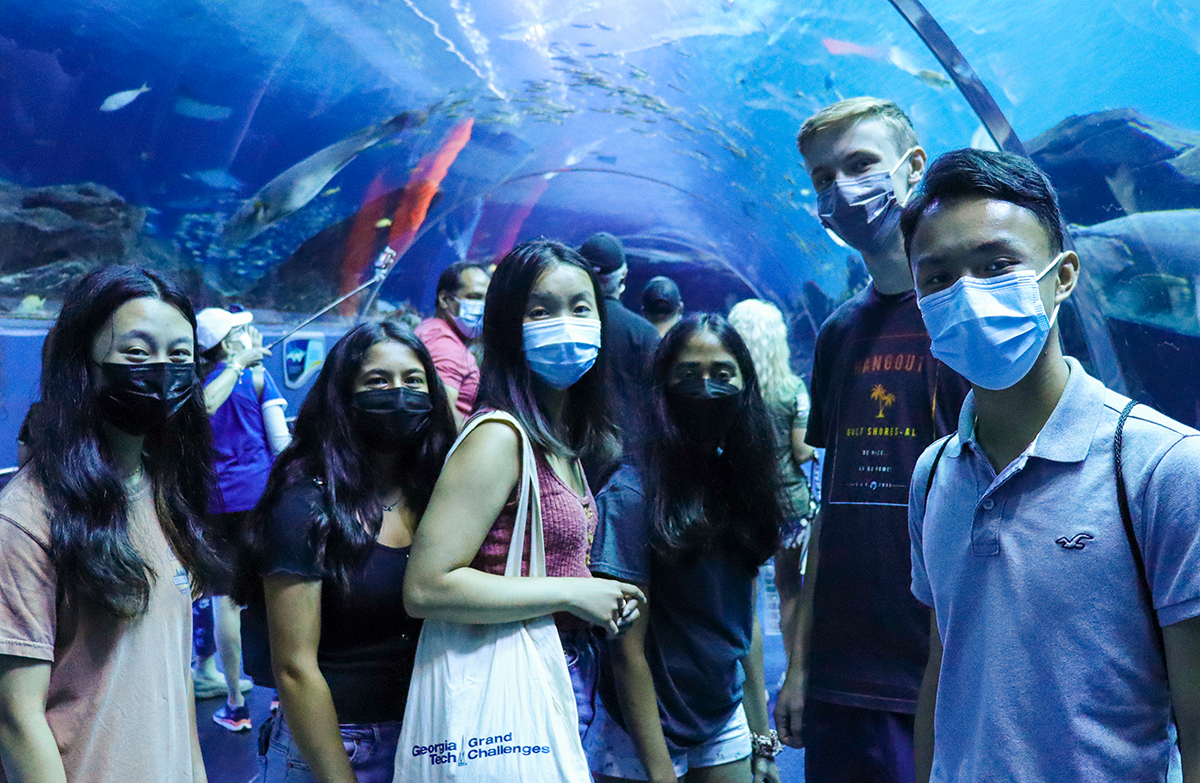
point(494, 703)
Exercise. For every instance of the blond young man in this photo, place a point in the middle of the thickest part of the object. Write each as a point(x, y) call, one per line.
point(857, 638)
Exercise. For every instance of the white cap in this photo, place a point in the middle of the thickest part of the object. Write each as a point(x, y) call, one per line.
point(213, 324)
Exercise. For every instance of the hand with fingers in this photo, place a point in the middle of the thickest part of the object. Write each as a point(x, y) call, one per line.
point(252, 354)
point(765, 770)
point(789, 708)
point(610, 604)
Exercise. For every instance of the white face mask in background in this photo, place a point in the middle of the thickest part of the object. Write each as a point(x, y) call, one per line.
point(863, 211)
point(990, 331)
point(470, 317)
point(561, 350)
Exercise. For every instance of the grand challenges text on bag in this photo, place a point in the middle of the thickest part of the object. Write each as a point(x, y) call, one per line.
point(476, 748)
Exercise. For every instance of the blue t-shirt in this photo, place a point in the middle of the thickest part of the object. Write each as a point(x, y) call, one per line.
point(701, 619)
point(1051, 670)
point(241, 454)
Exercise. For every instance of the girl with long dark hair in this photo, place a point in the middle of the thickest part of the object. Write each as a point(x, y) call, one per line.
point(691, 527)
point(543, 365)
point(102, 544)
point(329, 544)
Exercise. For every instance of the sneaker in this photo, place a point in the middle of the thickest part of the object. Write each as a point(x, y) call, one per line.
point(233, 718)
point(209, 686)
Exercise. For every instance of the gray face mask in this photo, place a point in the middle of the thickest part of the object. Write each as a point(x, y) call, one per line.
point(863, 211)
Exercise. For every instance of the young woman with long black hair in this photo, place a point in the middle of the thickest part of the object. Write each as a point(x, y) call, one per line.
point(543, 365)
point(329, 544)
point(102, 546)
point(691, 526)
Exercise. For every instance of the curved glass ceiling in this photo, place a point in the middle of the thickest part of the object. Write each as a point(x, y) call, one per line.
point(669, 123)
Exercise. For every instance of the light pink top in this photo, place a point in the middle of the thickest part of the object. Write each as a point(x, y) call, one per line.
point(118, 698)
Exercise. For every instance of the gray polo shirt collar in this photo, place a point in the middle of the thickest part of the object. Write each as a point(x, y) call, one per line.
point(1068, 433)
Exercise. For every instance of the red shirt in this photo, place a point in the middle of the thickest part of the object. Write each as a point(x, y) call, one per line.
point(454, 363)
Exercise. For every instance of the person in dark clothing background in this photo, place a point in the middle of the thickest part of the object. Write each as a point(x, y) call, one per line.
point(630, 341)
point(662, 303)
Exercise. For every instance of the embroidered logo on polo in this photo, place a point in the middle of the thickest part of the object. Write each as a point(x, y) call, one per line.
point(1075, 542)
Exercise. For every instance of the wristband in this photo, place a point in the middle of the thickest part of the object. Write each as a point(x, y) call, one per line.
point(765, 746)
point(236, 367)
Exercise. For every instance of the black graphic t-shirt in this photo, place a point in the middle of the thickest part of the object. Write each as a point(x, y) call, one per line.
point(878, 399)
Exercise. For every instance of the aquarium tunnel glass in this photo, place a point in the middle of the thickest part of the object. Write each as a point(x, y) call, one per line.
point(265, 152)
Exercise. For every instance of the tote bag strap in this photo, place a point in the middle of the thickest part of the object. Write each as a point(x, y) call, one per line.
point(529, 505)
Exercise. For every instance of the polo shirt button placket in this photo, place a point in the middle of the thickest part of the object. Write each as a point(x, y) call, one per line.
point(985, 541)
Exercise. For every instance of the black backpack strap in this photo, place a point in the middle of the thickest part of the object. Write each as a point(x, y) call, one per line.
point(1127, 521)
point(933, 467)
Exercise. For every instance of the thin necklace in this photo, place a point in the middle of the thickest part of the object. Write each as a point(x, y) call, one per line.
point(394, 503)
point(135, 477)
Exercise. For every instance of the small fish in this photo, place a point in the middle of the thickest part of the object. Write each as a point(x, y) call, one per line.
point(384, 223)
point(190, 107)
point(611, 160)
point(119, 100)
point(217, 179)
point(581, 25)
point(331, 191)
point(933, 79)
point(834, 46)
point(603, 26)
point(736, 151)
point(297, 186)
point(638, 73)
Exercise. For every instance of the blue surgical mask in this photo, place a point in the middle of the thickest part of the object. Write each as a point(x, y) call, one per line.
point(561, 350)
point(863, 211)
point(990, 331)
point(470, 317)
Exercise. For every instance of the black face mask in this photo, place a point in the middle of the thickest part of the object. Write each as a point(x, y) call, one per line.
point(141, 398)
point(704, 409)
point(390, 420)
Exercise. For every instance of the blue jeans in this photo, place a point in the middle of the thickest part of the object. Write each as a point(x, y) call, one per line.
point(580, 649)
point(370, 746)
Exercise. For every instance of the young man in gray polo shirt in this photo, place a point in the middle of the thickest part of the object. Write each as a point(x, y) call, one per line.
point(1047, 663)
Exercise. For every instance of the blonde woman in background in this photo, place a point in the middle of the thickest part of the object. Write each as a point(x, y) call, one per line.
point(760, 324)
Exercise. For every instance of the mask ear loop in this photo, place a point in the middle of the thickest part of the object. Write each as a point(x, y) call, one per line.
point(901, 162)
point(903, 159)
point(1053, 265)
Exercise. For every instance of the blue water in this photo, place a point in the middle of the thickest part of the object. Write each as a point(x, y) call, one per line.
point(705, 98)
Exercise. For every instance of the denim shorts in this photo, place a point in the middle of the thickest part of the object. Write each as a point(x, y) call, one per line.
point(370, 746)
point(581, 652)
point(611, 752)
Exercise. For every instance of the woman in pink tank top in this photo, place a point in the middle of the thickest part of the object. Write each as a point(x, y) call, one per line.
point(543, 364)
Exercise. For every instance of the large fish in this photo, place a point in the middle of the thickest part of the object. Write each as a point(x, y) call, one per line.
point(295, 187)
